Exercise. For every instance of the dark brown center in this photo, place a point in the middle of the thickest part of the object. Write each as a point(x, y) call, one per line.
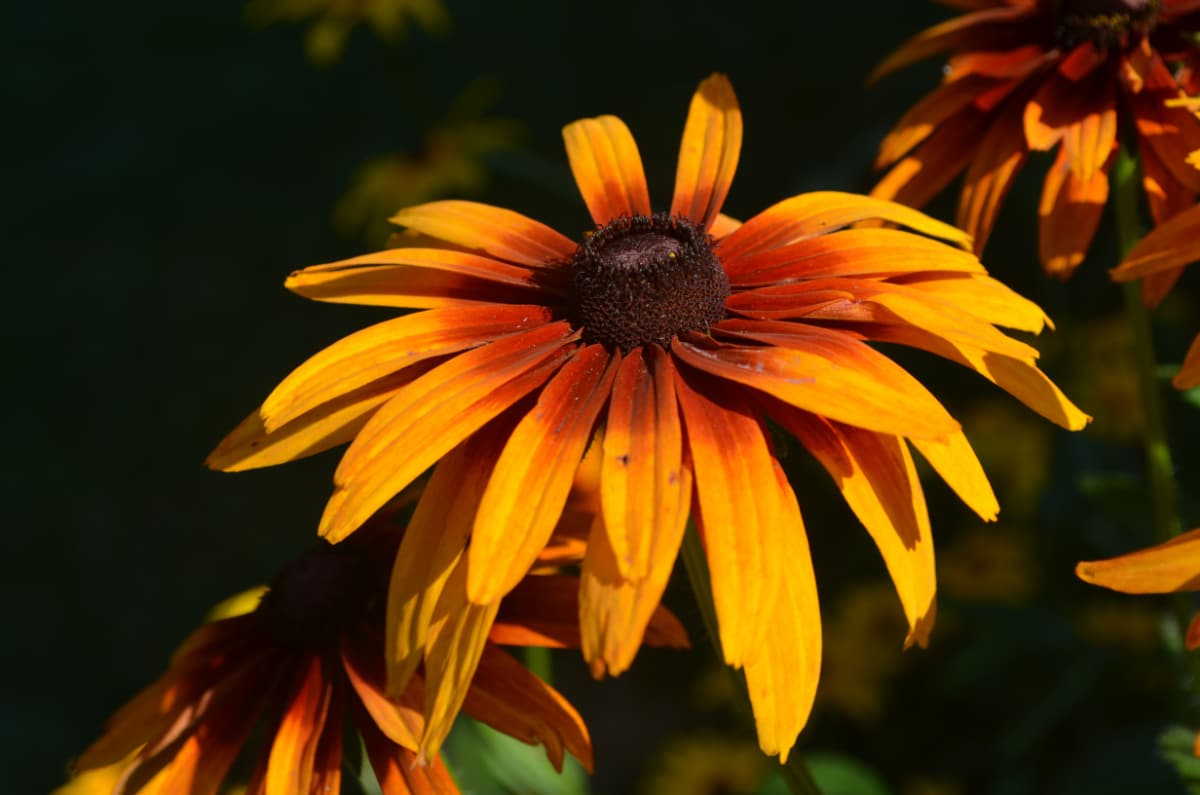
point(1105, 23)
point(646, 279)
point(316, 597)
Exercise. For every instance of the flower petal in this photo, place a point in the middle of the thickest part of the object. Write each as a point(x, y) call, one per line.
point(835, 376)
point(528, 488)
point(499, 232)
point(1068, 216)
point(998, 156)
point(294, 750)
point(876, 476)
point(929, 168)
point(400, 771)
point(708, 154)
point(782, 680)
point(607, 167)
point(1171, 245)
point(927, 115)
point(430, 416)
point(1189, 372)
point(954, 459)
point(742, 514)
point(812, 214)
point(399, 716)
point(1163, 568)
point(979, 27)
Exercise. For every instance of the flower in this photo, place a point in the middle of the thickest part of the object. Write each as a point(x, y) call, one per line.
point(662, 341)
point(1166, 250)
point(1030, 75)
point(300, 661)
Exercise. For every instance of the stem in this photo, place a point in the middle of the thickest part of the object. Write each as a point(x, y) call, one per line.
point(540, 663)
point(795, 773)
point(1160, 470)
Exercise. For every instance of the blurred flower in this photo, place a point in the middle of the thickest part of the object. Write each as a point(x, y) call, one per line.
point(333, 20)
point(706, 765)
point(300, 661)
point(989, 564)
point(680, 332)
point(1029, 75)
point(1015, 451)
point(861, 653)
point(450, 162)
point(1166, 250)
point(1103, 359)
point(1164, 568)
point(1135, 627)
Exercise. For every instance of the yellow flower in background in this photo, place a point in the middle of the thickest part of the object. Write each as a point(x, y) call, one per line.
point(1169, 567)
point(1027, 76)
point(861, 653)
point(303, 660)
point(989, 564)
point(669, 338)
point(1166, 250)
point(333, 20)
point(1105, 376)
point(700, 765)
point(1015, 450)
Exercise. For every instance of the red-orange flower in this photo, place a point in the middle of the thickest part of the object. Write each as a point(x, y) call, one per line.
point(1032, 75)
point(669, 338)
point(308, 656)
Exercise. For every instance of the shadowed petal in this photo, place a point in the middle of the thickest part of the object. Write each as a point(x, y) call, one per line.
point(607, 168)
point(1171, 245)
point(294, 750)
point(400, 771)
point(998, 157)
point(1068, 216)
point(954, 460)
point(708, 154)
point(528, 487)
point(978, 27)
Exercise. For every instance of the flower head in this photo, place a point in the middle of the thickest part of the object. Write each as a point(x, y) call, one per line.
point(301, 661)
point(1035, 75)
point(661, 342)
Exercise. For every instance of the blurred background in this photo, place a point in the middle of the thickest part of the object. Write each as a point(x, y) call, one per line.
point(169, 163)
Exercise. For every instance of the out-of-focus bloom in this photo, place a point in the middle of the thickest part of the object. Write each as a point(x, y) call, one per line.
point(1124, 624)
point(333, 20)
point(680, 333)
point(702, 765)
point(304, 659)
point(1032, 75)
point(861, 654)
point(1166, 250)
point(1015, 450)
point(990, 564)
point(451, 161)
point(1168, 567)
point(1105, 376)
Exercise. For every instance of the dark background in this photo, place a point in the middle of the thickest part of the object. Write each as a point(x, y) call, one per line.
point(168, 165)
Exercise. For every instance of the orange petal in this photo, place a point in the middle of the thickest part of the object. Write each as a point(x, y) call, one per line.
point(327, 763)
point(927, 115)
point(1189, 372)
point(1191, 642)
point(294, 750)
point(998, 157)
point(929, 168)
point(385, 348)
point(1068, 216)
point(723, 226)
point(1171, 245)
point(708, 154)
point(982, 297)
point(1163, 568)
point(811, 214)
point(432, 545)
point(877, 478)
point(960, 31)
point(400, 771)
point(782, 680)
point(953, 458)
point(834, 376)
point(430, 416)
point(398, 717)
point(741, 515)
point(878, 253)
point(457, 635)
point(529, 485)
point(512, 700)
point(499, 232)
point(1172, 133)
point(607, 167)
point(645, 508)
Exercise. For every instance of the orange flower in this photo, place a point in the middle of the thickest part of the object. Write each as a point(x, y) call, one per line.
point(307, 656)
point(1166, 251)
point(678, 333)
point(1032, 75)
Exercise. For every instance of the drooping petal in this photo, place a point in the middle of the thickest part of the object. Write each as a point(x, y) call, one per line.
point(327, 762)
point(982, 297)
point(386, 348)
point(1172, 133)
point(1068, 216)
point(607, 167)
point(528, 488)
point(998, 157)
point(782, 679)
point(1171, 245)
point(1189, 372)
point(927, 115)
point(954, 460)
point(1163, 568)
point(397, 716)
point(432, 545)
point(980, 27)
point(708, 154)
point(430, 416)
point(876, 476)
point(877, 253)
point(457, 635)
point(834, 376)
point(294, 750)
point(400, 771)
point(922, 174)
point(820, 213)
point(494, 230)
point(742, 514)
point(510, 699)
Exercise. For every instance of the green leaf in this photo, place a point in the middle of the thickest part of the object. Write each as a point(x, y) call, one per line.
point(487, 762)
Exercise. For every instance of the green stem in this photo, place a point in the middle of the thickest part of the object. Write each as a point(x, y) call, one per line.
point(540, 663)
point(1160, 469)
point(795, 772)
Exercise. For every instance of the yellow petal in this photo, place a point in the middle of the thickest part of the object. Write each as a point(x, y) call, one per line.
point(607, 167)
point(1163, 568)
point(708, 154)
point(954, 459)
